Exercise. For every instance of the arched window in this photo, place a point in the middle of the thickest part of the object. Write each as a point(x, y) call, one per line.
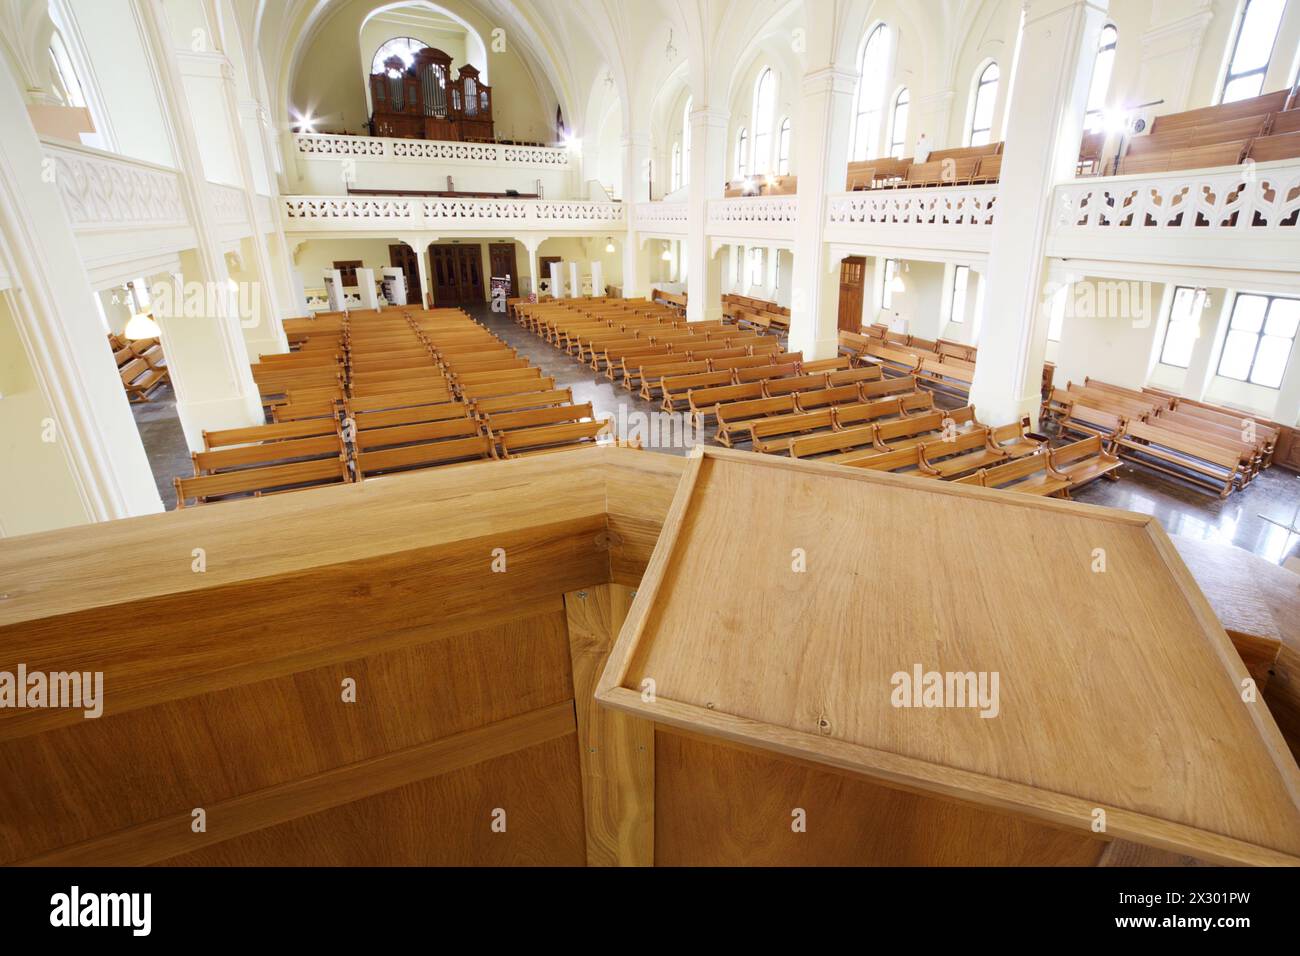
point(686, 143)
point(898, 125)
point(404, 48)
point(677, 167)
point(981, 114)
point(68, 86)
point(742, 154)
point(764, 120)
point(783, 148)
point(871, 92)
point(1251, 50)
point(1095, 118)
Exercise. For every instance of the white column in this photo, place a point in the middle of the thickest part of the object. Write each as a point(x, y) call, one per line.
point(420, 245)
point(1211, 324)
point(1058, 48)
point(825, 111)
point(636, 189)
point(532, 244)
point(71, 450)
point(206, 355)
point(708, 179)
point(366, 288)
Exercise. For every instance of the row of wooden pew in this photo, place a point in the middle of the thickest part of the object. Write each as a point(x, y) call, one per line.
point(1262, 129)
point(941, 365)
point(369, 394)
point(141, 365)
point(1209, 447)
point(960, 166)
point(859, 418)
point(756, 313)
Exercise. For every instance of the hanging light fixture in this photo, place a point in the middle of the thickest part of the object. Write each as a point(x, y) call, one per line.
point(668, 255)
point(896, 284)
point(609, 244)
point(141, 324)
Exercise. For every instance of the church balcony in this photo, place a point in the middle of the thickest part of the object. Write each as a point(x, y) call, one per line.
point(330, 164)
point(660, 219)
point(385, 216)
point(765, 219)
point(1238, 220)
point(951, 219)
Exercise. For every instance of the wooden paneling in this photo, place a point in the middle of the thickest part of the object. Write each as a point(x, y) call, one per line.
point(616, 750)
point(209, 749)
point(442, 821)
point(720, 805)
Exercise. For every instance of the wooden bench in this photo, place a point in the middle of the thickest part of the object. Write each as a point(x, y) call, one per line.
point(1079, 419)
point(1085, 461)
point(1031, 475)
point(970, 450)
point(426, 455)
point(676, 388)
point(370, 439)
point(140, 379)
point(734, 418)
point(259, 481)
point(1180, 456)
point(251, 434)
point(266, 453)
point(551, 438)
point(534, 417)
point(704, 402)
point(773, 435)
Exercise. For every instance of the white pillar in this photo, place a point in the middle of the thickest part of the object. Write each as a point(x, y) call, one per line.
point(575, 287)
point(1211, 325)
point(636, 189)
point(708, 180)
point(825, 111)
point(72, 453)
point(1058, 48)
point(336, 299)
point(597, 278)
point(207, 343)
point(557, 281)
point(395, 286)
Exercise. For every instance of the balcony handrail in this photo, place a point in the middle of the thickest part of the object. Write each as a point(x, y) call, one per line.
point(335, 146)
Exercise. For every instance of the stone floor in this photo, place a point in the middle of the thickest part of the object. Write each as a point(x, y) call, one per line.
point(1181, 509)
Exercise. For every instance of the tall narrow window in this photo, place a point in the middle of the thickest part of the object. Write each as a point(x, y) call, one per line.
point(871, 92)
point(887, 283)
point(742, 154)
point(783, 148)
point(981, 114)
point(1094, 119)
point(1183, 328)
point(1260, 337)
point(756, 266)
point(957, 303)
point(677, 167)
point(1251, 49)
point(686, 142)
point(69, 86)
point(764, 120)
point(898, 125)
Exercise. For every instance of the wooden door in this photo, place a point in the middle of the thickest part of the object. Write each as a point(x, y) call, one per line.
point(853, 271)
point(501, 258)
point(401, 256)
point(456, 272)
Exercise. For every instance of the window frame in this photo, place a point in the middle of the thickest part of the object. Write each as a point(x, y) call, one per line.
point(898, 138)
point(783, 134)
point(1094, 116)
point(1259, 338)
point(887, 273)
point(1239, 27)
point(881, 29)
point(953, 314)
point(762, 142)
point(1198, 296)
point(686, 143)
point(976, 93)
point(742, 154)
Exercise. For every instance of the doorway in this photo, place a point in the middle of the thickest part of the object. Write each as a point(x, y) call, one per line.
point(456, 271)
point(853, 272)
point(501, 262)
point(401, 256)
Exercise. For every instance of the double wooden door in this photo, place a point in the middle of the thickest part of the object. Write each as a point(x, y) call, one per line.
point(853, 271)
point(456, 271)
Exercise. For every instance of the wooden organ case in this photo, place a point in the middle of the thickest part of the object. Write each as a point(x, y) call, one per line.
point(424, 101)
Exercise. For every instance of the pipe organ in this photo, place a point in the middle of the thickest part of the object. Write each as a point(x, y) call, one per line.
point(424, 101)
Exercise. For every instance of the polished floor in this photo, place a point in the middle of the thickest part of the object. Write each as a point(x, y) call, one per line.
point(1242, 520)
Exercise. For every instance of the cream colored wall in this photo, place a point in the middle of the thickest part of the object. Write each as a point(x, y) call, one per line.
point(39, 491)
point(329, 78)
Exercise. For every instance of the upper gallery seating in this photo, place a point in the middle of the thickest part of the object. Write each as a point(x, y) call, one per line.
point(961, 166)
point(1261, 129)
point(369, 393)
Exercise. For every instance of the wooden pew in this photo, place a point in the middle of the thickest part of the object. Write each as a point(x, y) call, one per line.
point(550, 438)
point(1031, 475)
point(259, 481)
point(427, 454)
point(1180, 456)
point(1085, 461)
